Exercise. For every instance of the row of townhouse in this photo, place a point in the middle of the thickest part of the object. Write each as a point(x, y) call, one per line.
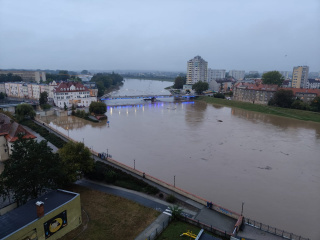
point(262, 93)
point(27, 90)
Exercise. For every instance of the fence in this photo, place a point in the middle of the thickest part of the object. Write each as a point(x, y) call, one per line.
point(273, 230)
point(157, 232)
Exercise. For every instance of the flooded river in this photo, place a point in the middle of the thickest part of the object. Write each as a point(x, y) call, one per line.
point(227, 156)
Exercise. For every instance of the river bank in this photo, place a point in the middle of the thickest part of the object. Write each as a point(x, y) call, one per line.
point(283, 112)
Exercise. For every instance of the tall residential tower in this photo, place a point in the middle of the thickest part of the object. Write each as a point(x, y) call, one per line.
point(300, 76)
point(197, 70)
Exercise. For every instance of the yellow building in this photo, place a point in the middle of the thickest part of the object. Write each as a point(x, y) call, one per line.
point(50, 216)
point(300, 76)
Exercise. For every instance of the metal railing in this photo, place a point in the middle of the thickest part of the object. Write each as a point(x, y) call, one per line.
point(273, 230)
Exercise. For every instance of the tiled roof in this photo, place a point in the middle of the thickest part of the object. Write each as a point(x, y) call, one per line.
point(11, 129)
point(269, 87)
point(304, 90)
point(70, 87)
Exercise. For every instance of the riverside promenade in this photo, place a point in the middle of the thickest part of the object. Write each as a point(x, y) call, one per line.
point(209, 216)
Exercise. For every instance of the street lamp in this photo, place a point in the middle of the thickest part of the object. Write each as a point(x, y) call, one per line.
point(134, 164)
point(242, 208)
point(174, 180)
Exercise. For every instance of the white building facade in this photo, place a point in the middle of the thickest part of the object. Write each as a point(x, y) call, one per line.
point(72, 93)
point(237, 74)
point(215, 74)
point(197, 70)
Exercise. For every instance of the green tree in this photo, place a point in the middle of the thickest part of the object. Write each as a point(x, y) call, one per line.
point(282, 98)
point(2, 95)
point(24, 110)
point(76, 160)
point(315, 104)
point(101, 88)
point(84, 72)
point(43, 98)
point(65, 106)
point(176, 211)
point(179, 82)
point(273, 77)
point(97, 107)
point(30, 169)
point(64, 75)
point(200, 87)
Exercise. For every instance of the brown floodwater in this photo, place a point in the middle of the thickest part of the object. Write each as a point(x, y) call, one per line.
point(227, 156)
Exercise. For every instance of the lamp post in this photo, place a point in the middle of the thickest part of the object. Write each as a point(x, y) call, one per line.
point(242, 208)
point(174, 180)
point(134, 164)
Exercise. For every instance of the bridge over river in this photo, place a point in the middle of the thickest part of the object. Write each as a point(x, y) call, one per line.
point(149, 97)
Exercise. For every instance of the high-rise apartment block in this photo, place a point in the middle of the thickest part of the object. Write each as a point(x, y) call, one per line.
point(197, 70)
point(237, 74)
point(300, 76)
point(215, 74)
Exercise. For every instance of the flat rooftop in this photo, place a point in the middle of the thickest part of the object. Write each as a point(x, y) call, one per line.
point(26, 214)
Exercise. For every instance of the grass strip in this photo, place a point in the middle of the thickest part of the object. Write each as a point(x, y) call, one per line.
point(283, 112)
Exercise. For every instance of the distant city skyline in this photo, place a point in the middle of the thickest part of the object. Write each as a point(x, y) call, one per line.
point(145, 35)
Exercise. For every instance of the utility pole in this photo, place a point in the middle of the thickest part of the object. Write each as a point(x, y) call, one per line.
point(134, 164)
point(174, 180)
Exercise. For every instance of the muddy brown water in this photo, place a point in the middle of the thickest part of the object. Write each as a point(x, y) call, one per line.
point(227, 156)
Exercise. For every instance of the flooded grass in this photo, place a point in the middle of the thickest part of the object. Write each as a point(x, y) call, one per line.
point(283, 112)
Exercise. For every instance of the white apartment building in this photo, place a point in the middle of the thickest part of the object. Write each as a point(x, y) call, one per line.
point(52, 86)
point(34, 91)
point(237, 74)
point(215, 74)
point(300, 76)
point(69, 93)
point(313, 84)
point(15, 89)
point(285, 74)
point(197, 70)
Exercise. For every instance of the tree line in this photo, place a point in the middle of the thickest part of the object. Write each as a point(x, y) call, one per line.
point(10, 78)
point(105, 81)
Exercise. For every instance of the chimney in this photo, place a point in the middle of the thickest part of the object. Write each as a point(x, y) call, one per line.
point(40, 209)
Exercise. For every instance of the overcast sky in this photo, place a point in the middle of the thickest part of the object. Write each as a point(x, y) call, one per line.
point(159, 34)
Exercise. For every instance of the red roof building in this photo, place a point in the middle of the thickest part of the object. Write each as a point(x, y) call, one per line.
point(72, 93)
point(9, 132)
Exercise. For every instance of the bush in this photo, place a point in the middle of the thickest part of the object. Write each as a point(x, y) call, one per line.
point(298, 104)
point(171, 199)
point(109, 174)
point(50, 137)
point(219, 95)
point(46, 106)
